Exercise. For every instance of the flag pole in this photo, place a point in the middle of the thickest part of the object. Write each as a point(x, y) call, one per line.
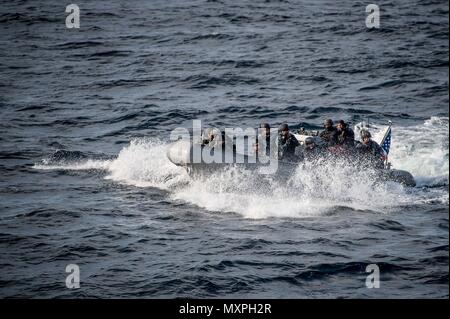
point(389, 129)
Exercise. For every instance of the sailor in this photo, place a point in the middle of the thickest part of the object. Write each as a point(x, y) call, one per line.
point(311, 151)
point(329, 132)
point(287, 143)
point(213, 137)
point(266, 142)
point(370, 150)
point(208, 136)
point(344, 135)
point(262, 143)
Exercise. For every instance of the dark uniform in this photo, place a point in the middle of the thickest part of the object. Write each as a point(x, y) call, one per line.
point(263, 139)
point(287, 143)
point(345, 137)
point(311, 151)
point(312, 154)
point(266, 142)
point(286, 147)
point(328, 135)
point(371, 152)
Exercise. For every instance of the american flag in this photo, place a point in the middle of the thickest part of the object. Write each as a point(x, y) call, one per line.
point(386, 141)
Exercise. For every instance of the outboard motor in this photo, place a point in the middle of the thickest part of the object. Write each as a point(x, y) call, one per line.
point(402, 177)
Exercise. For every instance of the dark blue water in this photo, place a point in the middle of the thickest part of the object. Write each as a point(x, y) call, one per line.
point(85, 117)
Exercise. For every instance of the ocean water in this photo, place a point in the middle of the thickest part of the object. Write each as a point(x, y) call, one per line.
point(85, 120)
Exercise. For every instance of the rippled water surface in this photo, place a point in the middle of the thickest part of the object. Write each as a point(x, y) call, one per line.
point(85, 118)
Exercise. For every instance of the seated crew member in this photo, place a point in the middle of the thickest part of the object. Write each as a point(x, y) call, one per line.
point(371, 150)
point(287, 143)
point(208, 136)
point(344, 135)
point(213, 137)
point(329, 132)
point(311, 150)
point(265, 141)
point(262, 143)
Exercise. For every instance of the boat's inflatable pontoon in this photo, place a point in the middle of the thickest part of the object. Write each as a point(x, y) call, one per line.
point(192, 157)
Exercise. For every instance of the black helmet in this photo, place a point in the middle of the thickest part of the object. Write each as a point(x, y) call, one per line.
point(365, 134)
point(342, 123)
point(328, 122)
point(309, 140)
point(283, 127)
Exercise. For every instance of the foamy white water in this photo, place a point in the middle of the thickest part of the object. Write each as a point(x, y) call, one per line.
point(81, 165)
point(423, 150)
point(144, 163)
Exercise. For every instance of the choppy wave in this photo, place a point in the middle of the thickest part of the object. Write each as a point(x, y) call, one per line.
point(134, 222)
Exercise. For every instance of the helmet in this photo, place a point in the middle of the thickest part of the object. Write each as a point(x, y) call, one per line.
point(328, 122)
point(211, 133)
point(207, 132)
point(309, 140)
point(342, 123)
point(365, 134)
point(283, 127)
point(264, 125)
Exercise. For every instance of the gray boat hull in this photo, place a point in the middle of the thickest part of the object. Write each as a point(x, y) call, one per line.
point(182, 153)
